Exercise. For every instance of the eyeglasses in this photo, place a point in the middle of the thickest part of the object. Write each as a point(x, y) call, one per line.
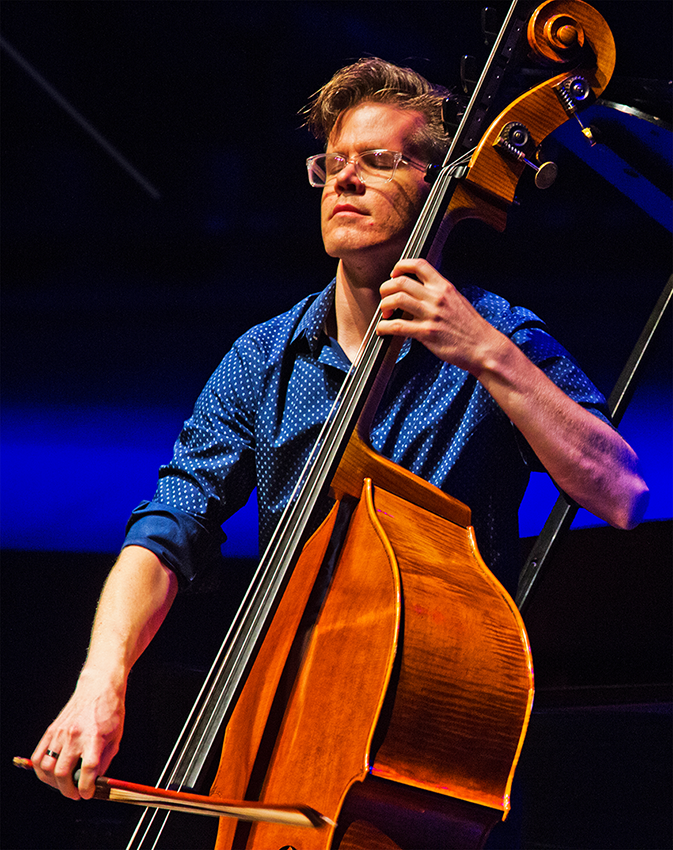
point(371, 167)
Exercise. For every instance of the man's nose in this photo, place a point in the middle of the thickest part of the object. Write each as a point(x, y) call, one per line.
point(347, 178)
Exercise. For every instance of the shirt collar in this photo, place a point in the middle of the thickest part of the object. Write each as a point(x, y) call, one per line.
point(312, 325)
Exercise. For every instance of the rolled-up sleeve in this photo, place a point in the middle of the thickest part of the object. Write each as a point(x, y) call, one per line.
point(185, 543)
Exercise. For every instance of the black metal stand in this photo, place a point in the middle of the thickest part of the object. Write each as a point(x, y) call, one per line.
point(564, 510)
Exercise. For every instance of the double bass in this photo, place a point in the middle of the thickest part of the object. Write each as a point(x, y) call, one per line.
point(378, 678)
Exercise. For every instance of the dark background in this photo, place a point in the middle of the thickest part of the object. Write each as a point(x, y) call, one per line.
point(121, 294)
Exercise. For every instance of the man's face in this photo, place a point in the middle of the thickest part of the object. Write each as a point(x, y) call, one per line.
point(358, 219)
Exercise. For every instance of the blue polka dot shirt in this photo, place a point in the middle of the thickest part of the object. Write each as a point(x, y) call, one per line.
point(260, 413)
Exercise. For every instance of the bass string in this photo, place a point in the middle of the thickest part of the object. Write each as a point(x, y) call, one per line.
point(239, 642)
point(370, 349)
point(299, 509)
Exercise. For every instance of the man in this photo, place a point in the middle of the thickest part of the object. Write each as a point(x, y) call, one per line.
point(472, 404)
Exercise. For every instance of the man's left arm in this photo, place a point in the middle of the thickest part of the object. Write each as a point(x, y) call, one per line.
point(583, 454)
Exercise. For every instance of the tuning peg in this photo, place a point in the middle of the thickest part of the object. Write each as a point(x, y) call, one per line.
point(515, 140)
point(545, 174)
point(571, 92)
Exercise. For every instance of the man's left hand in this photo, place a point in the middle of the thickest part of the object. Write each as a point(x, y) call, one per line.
point(436, 315)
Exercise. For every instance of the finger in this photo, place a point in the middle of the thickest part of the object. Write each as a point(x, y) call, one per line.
point(403, 302)
point(94, 764)
point(402, 293)
point(402, 283)
point(56, 768)
point(63, 771)
point(417, 267)
point(87, 780)
point(400, 327)
point(44, 760)
point(409, 296)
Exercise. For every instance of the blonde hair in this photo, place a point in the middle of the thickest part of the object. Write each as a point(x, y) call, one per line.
point(374, 80)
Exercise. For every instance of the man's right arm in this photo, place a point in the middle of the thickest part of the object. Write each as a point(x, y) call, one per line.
point(135, 600)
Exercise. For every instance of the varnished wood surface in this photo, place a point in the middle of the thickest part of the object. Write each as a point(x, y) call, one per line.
point(554, 17)
point(323, 744)
point(360, 462)
point(453, 716)
point(465, 688)
point(488, 189)
point(454, 720)
point(246, 727)
point(539, 109)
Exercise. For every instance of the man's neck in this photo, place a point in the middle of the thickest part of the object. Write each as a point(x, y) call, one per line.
point(356, 301)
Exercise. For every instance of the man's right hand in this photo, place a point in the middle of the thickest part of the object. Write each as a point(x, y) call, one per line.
point(89, 728)
point(137, 596)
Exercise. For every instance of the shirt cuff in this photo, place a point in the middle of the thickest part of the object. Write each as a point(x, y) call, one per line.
point(185, 543)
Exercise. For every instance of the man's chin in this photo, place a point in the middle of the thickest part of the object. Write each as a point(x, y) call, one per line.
point(354, 244)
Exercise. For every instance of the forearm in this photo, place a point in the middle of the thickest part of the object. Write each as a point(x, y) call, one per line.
point(585, 456)
point(135, 600)
point(137, 596)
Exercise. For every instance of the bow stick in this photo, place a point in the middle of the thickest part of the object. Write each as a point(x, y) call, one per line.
point(198, 804)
